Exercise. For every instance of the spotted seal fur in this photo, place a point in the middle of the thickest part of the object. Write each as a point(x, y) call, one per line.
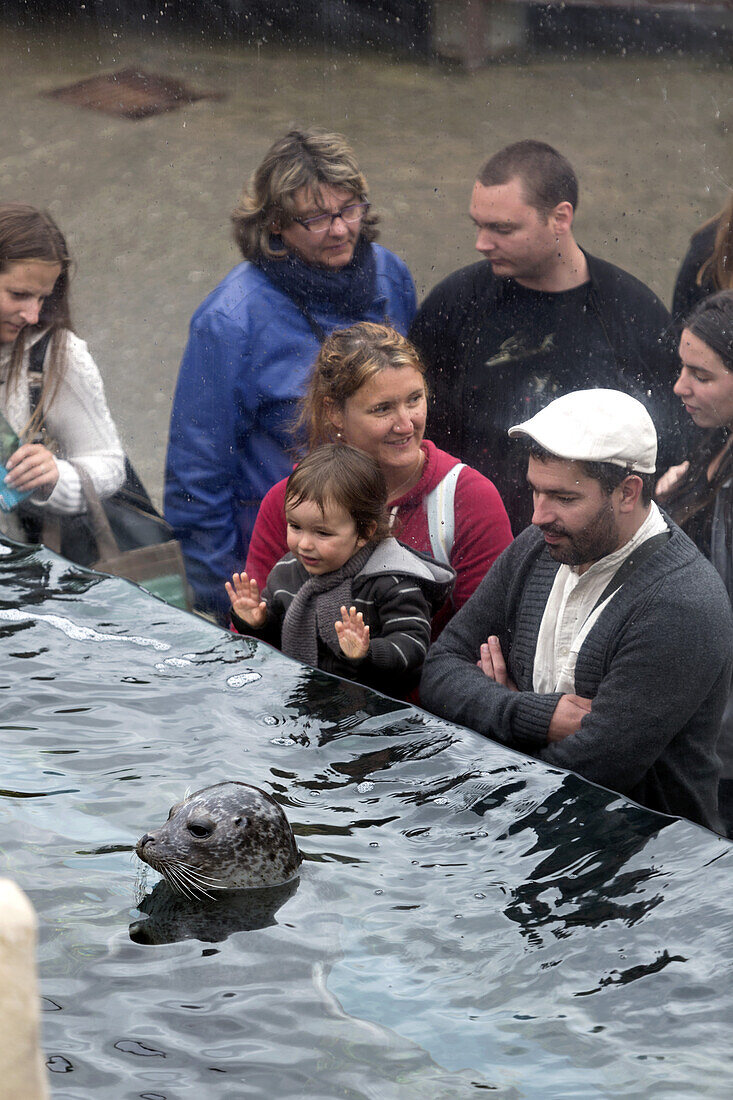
point(229, 836)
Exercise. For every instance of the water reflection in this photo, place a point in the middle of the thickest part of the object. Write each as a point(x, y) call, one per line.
point(169, 917)
point(467, 918)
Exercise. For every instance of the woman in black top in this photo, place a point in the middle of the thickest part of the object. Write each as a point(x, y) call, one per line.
point(708, 265)
point(699, 493)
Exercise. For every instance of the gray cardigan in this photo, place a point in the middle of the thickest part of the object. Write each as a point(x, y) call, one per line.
point(657, 665)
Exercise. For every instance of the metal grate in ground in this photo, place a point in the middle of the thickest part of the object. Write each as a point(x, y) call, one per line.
point(130, 93)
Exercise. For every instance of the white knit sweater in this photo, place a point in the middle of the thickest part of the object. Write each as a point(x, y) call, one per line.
point(78, 422)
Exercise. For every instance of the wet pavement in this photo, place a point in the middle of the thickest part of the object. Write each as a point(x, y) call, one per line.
point(145, 203)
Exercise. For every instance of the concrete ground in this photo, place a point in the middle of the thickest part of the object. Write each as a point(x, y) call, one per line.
point(145, 204)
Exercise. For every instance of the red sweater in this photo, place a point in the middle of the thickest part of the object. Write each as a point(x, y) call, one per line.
point(482, 528)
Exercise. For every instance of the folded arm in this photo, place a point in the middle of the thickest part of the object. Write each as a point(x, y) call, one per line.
point(456, 687)
point(661, 670)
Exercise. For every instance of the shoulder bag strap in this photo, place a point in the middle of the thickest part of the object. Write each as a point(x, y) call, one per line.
point(440, 510)
point(632, 563)
point(36, 363)
point(132, 486)
point(106, 543)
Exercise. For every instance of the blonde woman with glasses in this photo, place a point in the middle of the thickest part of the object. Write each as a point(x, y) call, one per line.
point(305, 228)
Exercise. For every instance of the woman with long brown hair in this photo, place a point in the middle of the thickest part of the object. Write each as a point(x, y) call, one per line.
point(699, 493)
point(54, 401)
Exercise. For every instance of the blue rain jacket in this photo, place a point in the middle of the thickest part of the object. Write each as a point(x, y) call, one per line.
point(247, 362)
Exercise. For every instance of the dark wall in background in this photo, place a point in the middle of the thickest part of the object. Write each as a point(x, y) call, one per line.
point(396, 25)
point(387, 24)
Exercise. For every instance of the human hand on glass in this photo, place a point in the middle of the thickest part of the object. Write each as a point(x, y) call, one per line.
point(353, 634)
point(244, 596)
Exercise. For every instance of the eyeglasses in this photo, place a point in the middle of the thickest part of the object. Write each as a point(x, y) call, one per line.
point(351, 214)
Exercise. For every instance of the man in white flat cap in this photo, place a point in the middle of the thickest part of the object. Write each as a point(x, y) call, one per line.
point(601, 640)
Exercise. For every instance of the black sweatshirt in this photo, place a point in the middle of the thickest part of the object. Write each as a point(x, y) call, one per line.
point(497, 353)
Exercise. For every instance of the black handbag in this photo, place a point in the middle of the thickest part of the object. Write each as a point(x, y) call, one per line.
point(123, 534)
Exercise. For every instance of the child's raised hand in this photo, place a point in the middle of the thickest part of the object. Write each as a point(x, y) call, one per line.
point(353, 634)
point(244, 595)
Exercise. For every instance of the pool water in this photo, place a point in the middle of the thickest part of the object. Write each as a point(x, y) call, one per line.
point(466, 919)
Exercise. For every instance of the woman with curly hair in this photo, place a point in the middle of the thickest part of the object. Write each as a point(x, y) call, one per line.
point(306, 230)
point(368, 390)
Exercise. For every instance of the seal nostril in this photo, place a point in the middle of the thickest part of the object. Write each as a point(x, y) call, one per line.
point(147, 839)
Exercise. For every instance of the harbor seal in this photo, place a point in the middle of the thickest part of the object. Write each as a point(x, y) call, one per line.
point(229, 836)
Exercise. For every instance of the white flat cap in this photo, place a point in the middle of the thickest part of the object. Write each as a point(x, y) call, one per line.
point(595, 426)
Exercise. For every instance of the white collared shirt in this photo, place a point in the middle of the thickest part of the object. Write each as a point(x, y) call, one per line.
point(569, 613)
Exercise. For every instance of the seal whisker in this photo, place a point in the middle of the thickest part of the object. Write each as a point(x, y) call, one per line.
point(204, 883)
point(194, 878)
point(178, 882)
point(194, 874)
point(196, 887)
point(198, 892)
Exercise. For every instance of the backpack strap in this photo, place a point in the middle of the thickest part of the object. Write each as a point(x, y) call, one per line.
point(36, 362)
point(440, 510)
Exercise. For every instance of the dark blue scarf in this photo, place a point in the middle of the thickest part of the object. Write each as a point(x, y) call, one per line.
point(348, 291)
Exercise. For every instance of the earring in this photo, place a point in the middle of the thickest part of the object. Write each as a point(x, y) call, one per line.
point(339, 436)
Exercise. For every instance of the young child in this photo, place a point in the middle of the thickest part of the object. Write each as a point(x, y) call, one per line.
point(348, 598)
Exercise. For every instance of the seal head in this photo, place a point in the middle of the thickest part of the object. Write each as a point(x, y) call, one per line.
point(230, 836)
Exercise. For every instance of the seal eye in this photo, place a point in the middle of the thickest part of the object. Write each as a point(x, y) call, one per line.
point(199, 831)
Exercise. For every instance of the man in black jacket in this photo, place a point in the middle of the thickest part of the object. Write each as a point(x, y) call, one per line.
point(540, 319)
